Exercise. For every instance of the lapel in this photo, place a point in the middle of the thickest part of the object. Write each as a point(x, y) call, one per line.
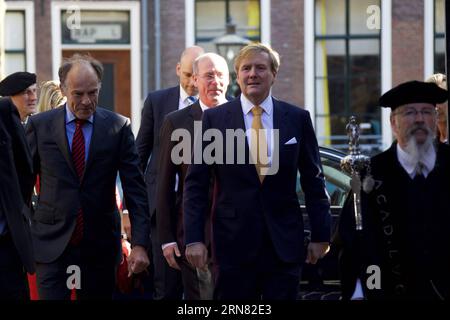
point(196, 111)
point(235, 120)
point(58, 128)
point(99, 127)
point(173, 99)
point(280, 117)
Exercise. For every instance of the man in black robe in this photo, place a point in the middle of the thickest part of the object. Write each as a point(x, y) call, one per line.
point(403, 251)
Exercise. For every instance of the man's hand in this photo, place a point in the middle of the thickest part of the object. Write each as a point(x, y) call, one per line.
point(137, 260)
point(197, 255)
point(126, 225)
point(316, 251)
point(169, 253)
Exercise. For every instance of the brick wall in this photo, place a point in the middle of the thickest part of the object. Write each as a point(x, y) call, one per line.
point(172, 39)
point(407, 40)
point(287, 38)
point(43, 40)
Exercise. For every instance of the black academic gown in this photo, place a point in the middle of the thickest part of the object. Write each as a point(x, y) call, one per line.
point(405, 232)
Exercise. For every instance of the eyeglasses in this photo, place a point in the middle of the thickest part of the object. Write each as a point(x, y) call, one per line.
point(212, 76)
point(412, 113)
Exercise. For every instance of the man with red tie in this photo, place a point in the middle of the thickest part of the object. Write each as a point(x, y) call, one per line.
point(77, 151)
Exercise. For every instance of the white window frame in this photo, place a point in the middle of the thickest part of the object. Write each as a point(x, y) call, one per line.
point(386, 63)
point(30, 47)
point(190, 22)
point(135, 45)
point(428, 32)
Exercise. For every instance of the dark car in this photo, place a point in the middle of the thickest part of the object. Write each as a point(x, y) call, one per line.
point(321, 281)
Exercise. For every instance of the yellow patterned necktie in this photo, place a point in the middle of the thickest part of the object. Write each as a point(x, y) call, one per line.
point(258, 148)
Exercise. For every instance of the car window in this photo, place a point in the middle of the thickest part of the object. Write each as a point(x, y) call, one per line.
point(337, 182)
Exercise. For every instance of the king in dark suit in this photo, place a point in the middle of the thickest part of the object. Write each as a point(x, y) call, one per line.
point(77, 151)
point(167, 281)
point(257, 225)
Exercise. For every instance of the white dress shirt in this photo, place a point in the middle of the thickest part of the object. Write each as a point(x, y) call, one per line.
point(409, 164)
point(184, 101)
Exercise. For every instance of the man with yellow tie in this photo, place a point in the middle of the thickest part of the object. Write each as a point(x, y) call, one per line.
point(257, 224)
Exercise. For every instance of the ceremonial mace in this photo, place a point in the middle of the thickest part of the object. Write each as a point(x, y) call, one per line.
point(357, 165)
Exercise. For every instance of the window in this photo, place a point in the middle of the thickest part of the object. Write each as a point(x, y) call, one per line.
point(347, 72)
point(211, 17)
point(439, 36)
point(15, 39)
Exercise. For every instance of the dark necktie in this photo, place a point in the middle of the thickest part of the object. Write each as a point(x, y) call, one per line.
point(191, 100)
point(419, 177)
point(78, 157)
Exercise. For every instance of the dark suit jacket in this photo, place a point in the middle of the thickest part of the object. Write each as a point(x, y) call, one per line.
point(16, 179)
point(20, 148)
point(112, 150)
point(169, 218)
point(244, 207)
point(157, 105)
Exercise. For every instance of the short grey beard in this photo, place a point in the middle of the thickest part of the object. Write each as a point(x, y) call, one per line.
point(418, 151)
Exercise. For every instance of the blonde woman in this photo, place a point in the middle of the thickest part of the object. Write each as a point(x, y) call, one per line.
point(441, 108)
point(50, 96)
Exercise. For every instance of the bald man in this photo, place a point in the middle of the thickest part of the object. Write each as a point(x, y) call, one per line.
point(167, 281)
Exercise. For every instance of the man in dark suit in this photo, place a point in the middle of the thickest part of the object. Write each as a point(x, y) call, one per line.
point(402, 253)
point(77, 151)
point(257, 227)
point(167, 281)
point(16, 252)
point(211, 77)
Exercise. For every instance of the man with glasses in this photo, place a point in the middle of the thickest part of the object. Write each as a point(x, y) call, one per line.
point(211, 78)
point(22, 90)
point(402, 251)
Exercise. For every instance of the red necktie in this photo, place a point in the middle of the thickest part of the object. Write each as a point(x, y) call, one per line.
point(78, 157)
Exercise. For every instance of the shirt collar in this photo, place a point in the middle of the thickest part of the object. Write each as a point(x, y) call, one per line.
point(247, 105)
point(202, 105)
point(205, 107)
point(183, 94)
point(408, 163)
point(71, 117)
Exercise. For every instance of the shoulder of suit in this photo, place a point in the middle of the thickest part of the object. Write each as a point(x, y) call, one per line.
point(45, 116)
point(179, 114)
point(225, 107)
point(385, 158)
point(158, 99)
point(163, 92)
point(112, 116)
point(444, 148)
point(289, 107)
point(6, 105)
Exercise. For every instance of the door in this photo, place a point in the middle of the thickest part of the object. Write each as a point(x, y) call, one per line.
point(115, 93)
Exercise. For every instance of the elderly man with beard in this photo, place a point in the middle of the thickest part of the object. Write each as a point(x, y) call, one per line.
point(402, 251)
